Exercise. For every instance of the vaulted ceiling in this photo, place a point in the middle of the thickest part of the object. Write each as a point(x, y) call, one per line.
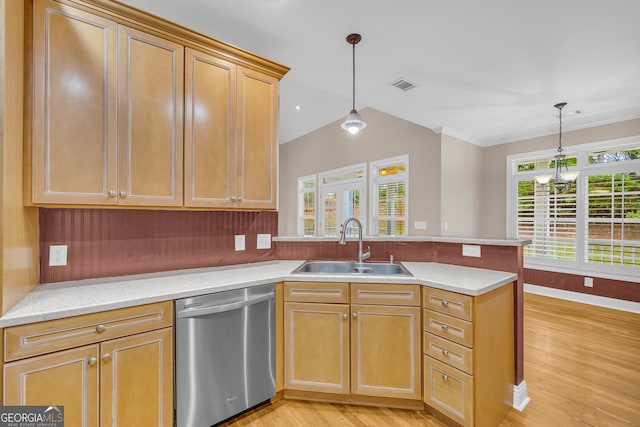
point(486, 71)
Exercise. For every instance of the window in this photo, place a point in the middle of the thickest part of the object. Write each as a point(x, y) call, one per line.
point(307, 206)
point(389, 180)
point(341, 196)
point(327, 199)
point(596, 226)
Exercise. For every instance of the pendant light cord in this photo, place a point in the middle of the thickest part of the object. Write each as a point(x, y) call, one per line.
point(353, 78)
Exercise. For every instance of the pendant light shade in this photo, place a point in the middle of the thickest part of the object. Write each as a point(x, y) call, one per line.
point(563, 178)
point(354, 123)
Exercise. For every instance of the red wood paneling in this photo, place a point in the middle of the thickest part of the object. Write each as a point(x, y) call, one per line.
point(115, 242)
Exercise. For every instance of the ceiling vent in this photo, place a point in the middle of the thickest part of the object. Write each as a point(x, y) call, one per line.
point(403, 84)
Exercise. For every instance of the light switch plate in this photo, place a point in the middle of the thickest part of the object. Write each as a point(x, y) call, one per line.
point(588, 282)
point(263, 241)
point(471, 250)
point(239, 242)
point(420, 225)
point(57, 255)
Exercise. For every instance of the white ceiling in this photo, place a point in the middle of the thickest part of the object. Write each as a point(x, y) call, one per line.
point(486, 71)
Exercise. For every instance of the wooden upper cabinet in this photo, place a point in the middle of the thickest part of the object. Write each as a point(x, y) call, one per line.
point(257, 139)
point(74, 106)
point(209, 155)
point(150, 77)
point(115, 100)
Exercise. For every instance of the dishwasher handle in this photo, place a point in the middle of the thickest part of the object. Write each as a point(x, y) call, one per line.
point(203, 311)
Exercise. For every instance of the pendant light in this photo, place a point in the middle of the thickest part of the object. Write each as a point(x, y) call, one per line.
point(354, 123)
point(563, 178)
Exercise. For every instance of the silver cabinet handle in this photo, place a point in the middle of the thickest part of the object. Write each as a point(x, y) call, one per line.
point(106, 357)
point(445, 327)
point(354, 315)
point(123, 194)
point(234, 198)
point(112, 193)
point(445, 377)
point(100, 329)
point(345, 316)
point(445, 303)
point(239, 199)
point(445, 351)
point(92, 361)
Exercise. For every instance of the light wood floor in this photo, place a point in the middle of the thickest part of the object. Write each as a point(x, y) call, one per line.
point(582, 368)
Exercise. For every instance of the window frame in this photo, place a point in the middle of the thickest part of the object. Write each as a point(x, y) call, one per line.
point(338, 187)
point(376, 180)
point(300, 204)
point(580, 266)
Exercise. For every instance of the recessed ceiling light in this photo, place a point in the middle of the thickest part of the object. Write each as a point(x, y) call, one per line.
point(298, 108)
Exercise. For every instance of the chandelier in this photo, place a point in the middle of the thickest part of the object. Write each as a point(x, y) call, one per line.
point(563, 178)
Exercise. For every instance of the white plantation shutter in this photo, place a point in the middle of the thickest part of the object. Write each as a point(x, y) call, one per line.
point(389, 182)
point(613, 219)
point(549, 220)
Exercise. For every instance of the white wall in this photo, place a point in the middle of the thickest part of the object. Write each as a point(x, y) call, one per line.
point(450, 179)
point(494, 181)
point(385, 136)
point(461, 187)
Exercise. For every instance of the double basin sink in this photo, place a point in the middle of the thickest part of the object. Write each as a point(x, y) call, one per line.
point(350, 267)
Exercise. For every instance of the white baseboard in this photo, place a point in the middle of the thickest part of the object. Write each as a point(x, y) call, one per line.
point(520, 398)
point(617, 304)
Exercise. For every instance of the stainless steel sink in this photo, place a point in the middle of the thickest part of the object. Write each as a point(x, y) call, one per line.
point(350, 267)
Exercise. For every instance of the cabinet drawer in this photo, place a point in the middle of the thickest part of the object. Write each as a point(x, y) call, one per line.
point(446, 351)
point(381, 294)
point(448, 390)
point(450, 303)
point(448, 327)
point(316, 292)
point(52, 335)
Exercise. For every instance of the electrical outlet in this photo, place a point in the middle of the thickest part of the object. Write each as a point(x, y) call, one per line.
point(420, 225)
point(588, 282)
point(239, 242)
point(57, 255)
point(263, 241)
point(471, 250)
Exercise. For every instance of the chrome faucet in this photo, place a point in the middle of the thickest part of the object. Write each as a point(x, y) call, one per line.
point(343, 238)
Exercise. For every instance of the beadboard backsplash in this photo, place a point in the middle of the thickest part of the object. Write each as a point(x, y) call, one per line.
point(116, 242)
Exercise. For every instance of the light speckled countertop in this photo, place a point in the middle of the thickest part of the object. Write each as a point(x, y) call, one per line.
point(57, 300)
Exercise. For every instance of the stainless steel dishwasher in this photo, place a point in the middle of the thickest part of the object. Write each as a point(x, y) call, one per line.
point(225, 354)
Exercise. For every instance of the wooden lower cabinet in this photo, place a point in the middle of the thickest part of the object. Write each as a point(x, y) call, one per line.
point(117, 368)
point(361, 351)
point(66, 378)
point(385, 351)
point(126, 381)
point(468, 361)
point(316, 347)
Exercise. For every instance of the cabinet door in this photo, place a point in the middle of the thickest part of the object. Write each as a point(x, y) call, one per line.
point(449, 390)
point(137, 380)
point(316, 345)
point(150, 78)
point(257, 140)
point(209, 134)
point(386, 351)
point(65, 378)
point(74, 106)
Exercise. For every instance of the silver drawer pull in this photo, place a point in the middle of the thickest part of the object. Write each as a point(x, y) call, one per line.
point(445, 327)
point(345, 316)
point(123, 194)
point(355, 315)
point(106, 357)
point(445, 377)
point(445, 303)
point(445, 351)
point(112, 193)
point(100, 329)
point(92, 361)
